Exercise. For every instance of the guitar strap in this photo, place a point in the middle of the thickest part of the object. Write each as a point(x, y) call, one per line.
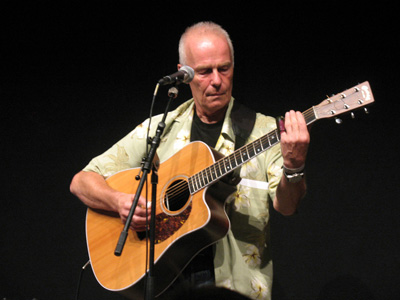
point(243, 119)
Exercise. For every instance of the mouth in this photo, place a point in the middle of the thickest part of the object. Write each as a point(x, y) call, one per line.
point(218, 94)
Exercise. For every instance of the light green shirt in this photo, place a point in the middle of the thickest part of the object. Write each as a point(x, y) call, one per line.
point(243, 258)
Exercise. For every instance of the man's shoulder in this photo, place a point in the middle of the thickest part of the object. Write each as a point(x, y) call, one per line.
point(263, 119)
point(264, 123)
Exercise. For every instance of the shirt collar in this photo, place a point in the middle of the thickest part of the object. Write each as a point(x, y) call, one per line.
point(186, 110)
point(227, 128)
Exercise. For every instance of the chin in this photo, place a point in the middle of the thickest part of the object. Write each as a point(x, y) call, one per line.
point(218, 105)
point(222, 100)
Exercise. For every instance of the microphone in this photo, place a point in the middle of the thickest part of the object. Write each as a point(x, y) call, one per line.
point(185, 75)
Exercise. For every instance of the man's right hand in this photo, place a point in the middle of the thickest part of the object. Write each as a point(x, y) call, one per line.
point(141, 217)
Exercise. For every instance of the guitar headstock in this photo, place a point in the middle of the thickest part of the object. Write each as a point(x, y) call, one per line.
point(346, 101)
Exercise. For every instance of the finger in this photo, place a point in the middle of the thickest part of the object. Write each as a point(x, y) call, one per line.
point(138, 223)
point(287, 121)
point(295, 121)
point(300, 118)
point(139, 229)
point(142, 211)
point(290, 122)
point(280, 125)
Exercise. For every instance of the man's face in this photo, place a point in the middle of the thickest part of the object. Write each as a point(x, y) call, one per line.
point(210, 57)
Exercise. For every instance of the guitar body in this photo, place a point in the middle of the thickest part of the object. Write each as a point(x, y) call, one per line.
point(185, 224)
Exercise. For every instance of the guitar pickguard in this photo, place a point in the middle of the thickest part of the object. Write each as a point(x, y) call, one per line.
point(167, 225)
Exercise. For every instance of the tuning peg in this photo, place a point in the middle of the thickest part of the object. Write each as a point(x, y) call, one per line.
point(366, 110)
point(352, 115)
point(338, 121)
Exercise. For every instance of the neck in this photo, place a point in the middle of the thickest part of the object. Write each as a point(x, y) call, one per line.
point(211, 118)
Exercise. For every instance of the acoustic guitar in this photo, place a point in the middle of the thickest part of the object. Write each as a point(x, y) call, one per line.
point(189, 213)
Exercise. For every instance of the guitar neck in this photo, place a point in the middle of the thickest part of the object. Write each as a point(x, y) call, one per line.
point(350, 99)
point(242, 155)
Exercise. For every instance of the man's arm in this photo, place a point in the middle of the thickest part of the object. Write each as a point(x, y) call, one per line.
point(294, 145)
point(288, 196)
point(93, 190)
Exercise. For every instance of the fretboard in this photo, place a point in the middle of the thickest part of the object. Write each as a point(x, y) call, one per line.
point(242, 155)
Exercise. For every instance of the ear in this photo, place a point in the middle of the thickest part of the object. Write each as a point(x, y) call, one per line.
point(179, 66)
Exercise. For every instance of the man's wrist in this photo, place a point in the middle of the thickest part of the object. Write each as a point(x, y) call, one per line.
point(293, 175)
point(293, 170)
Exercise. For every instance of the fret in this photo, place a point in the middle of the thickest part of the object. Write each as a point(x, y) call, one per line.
point(232, 160)
point(200, 181)
point(193, 179)
point(227, 163)
point(194, 185)
point(191, 190)
point(218, 169)
point(223, 171)
point(265, 142)
point(212, 169)
point(209, 175)
point(244, 156)
point(273, 137)
point(197, 181)
point(250, 150)
point(238, 155)
point(203, 178)
point(258, 146)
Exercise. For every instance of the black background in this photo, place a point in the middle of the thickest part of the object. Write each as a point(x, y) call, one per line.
point(76, 77)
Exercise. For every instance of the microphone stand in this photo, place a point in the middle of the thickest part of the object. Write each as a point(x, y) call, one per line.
point(147, 166)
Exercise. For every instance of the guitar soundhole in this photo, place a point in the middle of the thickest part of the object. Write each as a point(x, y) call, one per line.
point(176, 196)
point(176, 207)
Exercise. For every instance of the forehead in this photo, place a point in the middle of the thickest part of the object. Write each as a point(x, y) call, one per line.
point(207, 49)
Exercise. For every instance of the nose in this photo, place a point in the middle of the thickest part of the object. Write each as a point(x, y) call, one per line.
point(216, 78)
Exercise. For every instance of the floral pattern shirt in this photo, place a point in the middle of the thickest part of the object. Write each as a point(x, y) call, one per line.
point(242, 259)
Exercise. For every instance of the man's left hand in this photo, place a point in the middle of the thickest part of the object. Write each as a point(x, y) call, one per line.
point(294, 140)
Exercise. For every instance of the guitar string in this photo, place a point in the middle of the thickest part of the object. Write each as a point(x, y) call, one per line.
point(207, 173)
point(202, 178)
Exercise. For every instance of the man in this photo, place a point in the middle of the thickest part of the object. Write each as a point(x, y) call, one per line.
point(242, 260)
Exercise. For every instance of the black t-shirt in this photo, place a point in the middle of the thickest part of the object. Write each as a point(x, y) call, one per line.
point(201, 269)
point(207, 133)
